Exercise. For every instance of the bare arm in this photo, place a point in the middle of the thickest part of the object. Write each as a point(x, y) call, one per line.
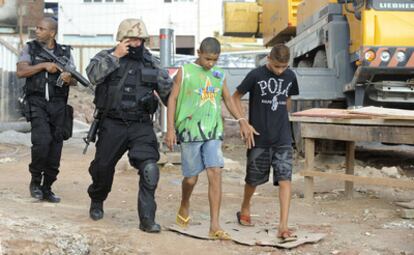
point(171, 138)
point(233, 109)
point(237, 101)
point(246, 130)
point(24, 69)
point(289, 104)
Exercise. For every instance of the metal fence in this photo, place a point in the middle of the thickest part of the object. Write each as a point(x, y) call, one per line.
point(8, 55)
point(10, 91)
point(10, 85)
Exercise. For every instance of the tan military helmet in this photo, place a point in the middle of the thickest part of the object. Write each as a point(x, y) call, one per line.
point(132, 28)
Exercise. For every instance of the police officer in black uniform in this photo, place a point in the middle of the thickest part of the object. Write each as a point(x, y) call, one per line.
point(46, 89)
point(126, 78)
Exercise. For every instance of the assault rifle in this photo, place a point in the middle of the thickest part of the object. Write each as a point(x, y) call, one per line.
point(91, 136)
point(64, 64)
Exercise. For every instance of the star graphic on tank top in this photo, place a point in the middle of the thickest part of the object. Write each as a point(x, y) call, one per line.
point(207, 93)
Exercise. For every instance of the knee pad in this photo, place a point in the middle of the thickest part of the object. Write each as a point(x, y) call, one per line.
point(150, 174)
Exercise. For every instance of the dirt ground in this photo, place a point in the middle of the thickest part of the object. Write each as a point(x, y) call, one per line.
point(368, 224)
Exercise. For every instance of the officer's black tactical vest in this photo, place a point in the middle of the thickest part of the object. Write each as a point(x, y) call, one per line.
point(135, 95)
point(35, 85)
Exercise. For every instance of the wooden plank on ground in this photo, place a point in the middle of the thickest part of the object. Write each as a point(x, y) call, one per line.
point(261, 235)
point(388, 134)
point(361, 179)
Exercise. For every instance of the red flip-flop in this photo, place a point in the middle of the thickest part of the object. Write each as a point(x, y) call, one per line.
point(244, 220)
point(287, 236)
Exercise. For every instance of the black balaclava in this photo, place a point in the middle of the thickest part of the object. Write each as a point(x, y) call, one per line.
point(136, 52)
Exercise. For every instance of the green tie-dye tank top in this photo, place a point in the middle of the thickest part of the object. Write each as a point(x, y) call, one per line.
point(198, 114)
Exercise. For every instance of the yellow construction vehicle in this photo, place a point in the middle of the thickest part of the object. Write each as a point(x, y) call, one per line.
point(242, 19)
point(356, 51)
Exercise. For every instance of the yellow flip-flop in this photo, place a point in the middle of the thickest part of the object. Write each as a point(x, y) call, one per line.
point(181, 221)
point(219, 235)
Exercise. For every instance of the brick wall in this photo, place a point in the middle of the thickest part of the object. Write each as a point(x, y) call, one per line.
point(34, 12)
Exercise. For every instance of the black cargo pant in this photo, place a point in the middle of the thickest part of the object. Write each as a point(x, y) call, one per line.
point(46, 119)
point(115, 137)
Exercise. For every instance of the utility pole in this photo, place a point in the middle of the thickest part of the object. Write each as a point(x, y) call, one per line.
point(166, 50)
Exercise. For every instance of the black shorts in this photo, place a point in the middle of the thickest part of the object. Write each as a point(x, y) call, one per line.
point(259, 161)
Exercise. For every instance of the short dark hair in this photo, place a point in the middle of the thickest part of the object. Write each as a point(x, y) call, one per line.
point(210, 45)
point(280, 53)
point(53, 25)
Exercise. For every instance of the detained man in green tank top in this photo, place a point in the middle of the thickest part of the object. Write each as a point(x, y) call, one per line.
point(194, 119)
point(198, 114)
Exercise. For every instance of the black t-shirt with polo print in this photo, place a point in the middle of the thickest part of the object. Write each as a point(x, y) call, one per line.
point(268, 113)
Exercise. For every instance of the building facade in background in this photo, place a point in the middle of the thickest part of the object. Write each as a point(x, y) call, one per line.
point(94, 22)
point(12, 12)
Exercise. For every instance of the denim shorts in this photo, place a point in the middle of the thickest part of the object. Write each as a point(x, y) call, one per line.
point(197, 156)
point(259, 161)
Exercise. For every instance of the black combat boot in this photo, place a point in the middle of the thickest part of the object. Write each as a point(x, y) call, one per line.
point(49, 196)
point(96, 211)
point(35, 187)
point(149, 226)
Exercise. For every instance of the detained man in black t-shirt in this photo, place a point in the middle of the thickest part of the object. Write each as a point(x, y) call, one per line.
point(270, 88)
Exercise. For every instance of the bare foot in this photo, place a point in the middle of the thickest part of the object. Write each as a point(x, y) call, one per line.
point(184, 212)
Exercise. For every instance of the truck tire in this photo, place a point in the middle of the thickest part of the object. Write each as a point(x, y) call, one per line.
point(320, 59)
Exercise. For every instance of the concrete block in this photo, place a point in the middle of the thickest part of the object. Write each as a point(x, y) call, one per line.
point(407, 213)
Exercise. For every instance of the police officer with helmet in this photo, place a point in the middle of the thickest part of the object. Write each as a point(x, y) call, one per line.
point(126, 78)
